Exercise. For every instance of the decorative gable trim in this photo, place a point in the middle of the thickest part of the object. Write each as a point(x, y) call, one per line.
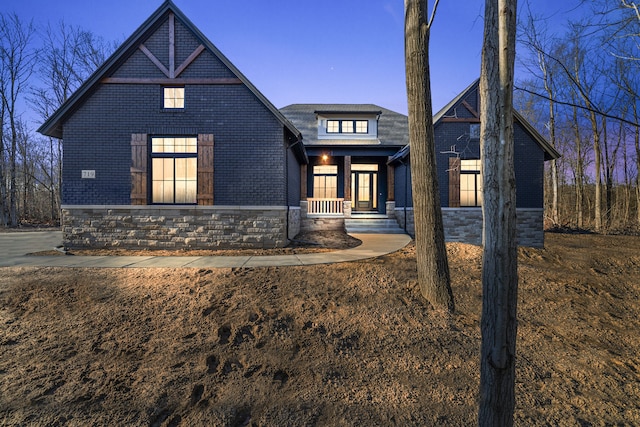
point(53, 126)
point(154, 81)
point(172, 72)
point(155, 60)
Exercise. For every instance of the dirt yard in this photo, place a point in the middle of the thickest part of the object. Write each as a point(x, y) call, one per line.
point(348, 344)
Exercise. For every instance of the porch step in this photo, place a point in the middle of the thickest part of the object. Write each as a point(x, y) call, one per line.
point(371, 224)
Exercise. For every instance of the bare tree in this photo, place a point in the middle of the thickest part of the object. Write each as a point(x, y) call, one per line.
point(17, 59)
point(499, 261)
point(431, 252)
point(68, 57)
point(539, 43)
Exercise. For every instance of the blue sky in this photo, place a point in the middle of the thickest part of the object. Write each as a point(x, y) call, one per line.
point(303, 51)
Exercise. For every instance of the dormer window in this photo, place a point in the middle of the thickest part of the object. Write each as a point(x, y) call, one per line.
point(348, 126)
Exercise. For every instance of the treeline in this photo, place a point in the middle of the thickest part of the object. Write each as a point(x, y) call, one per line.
point(582, 93)
point(40, 67)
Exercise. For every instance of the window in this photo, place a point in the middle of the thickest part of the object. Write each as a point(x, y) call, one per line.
point(325, 182)
point(470, 183)
point(362, 126)
point(174, 170)
point(474, 131)
point(333, 126)
point(173, 97)
point(347, 126)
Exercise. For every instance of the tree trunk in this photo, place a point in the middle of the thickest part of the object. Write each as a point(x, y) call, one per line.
point(4, 214)
point(637, 146)
point(597, 153)
point(431, 253)
point(499, 263)
point(579, 171)
point(555, 217)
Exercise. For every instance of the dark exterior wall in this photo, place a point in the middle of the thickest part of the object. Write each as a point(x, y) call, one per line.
point(528, 162)
point(293, 179)
point(402, 185)
point(249, 148)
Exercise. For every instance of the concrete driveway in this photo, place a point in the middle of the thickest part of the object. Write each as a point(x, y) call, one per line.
point(20, 243)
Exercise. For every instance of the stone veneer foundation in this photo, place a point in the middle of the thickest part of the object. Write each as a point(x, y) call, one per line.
point(465, 225)
point(179, 227)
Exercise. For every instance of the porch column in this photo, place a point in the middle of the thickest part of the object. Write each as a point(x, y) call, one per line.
point(303, 182)
point(346, 204)
point(390, 183)
point(391, 203)
point(347, 178)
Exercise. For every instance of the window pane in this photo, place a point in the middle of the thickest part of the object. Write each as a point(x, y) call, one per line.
point(174, 145)
point(192, 169)
point(157, 145)
point(364, 190)
point(347, 126)
point(362, 126)
point(362, 167)
point(192, 145)
point(168, 169)
point(173, 97)
point(325, 169)
point(179, 145)
point(333, 126)
point(325, 187)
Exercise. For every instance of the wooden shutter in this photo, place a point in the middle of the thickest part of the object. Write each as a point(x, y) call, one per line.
point(139, 169)
point(205, 169)
point(454, 182)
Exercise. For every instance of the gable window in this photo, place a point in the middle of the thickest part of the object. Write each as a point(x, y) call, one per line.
point(347, 126)
point(174, 170)
point(470, 183)
point(325, 182)
point(173, 97)
point(474, 130)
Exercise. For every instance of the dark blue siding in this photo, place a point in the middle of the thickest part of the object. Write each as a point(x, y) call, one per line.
point(249, 148)
point(528, 162)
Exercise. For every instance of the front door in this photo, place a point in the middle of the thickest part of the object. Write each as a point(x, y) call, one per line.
point(364, 187)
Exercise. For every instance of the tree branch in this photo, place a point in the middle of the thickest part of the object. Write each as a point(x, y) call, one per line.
point(582, 107)
point(433, 14)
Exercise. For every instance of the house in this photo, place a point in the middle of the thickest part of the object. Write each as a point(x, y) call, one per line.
point(168, 145)
point(457, 137)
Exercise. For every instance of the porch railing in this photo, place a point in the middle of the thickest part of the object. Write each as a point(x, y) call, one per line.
point(325, 206)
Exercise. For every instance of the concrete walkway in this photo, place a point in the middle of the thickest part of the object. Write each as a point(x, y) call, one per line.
point(15, 246)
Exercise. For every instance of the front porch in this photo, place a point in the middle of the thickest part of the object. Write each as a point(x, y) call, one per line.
point(337, 214)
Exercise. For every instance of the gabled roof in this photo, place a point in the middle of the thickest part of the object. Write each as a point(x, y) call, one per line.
point(53, 125)
point(550, 153)
point(393, 128)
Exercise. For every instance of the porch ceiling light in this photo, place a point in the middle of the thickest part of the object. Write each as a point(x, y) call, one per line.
point(325, 157)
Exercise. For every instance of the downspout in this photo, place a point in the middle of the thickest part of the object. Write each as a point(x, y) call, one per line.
point(286, 175)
